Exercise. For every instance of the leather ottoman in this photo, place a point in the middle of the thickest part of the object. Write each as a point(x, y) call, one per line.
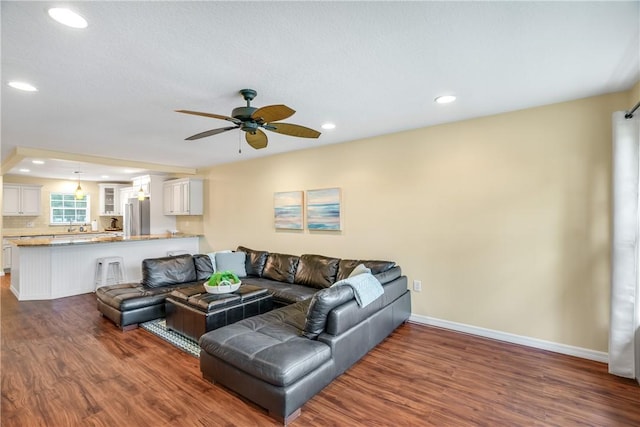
point(192, 311)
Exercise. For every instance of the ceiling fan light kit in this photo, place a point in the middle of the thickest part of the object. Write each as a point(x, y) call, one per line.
point(250, 119)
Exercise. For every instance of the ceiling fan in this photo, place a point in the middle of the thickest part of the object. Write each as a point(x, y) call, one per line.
point(251, 119)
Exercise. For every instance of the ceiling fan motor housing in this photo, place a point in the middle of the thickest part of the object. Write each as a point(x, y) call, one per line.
point(243, 113)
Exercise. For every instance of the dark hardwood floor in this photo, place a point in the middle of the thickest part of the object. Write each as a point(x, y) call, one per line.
point(63, 365)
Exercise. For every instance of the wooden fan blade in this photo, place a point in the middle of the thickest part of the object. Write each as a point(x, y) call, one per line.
point(272, 113)
point(257, 140)
point(213, 116)
point(210, 133)
point(293, 130)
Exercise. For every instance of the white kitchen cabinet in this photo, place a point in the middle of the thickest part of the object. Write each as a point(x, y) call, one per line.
point(127, 193)
point(110, 199)
point(183, 197)
point(21, 200)
point(167, 198)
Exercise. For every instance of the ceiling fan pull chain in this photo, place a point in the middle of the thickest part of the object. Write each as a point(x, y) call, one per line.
point(239, 143)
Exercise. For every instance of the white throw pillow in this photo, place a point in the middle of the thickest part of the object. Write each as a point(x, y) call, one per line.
point(212, 257)
point(233, 262)
point(360, 269)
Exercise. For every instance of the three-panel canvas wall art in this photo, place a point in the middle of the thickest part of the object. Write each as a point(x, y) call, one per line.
point(322, 209)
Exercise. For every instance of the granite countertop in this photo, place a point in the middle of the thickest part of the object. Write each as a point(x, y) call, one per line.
point(18, 234)
point(82, 240)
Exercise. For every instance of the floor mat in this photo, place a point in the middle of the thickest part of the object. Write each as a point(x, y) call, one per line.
point(159, 327)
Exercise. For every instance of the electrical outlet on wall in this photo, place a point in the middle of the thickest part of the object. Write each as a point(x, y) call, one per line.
point(417, 285)
point(30, 224)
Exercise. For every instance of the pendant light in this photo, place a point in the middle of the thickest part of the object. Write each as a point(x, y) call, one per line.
point(79, 192)
point(140, 193)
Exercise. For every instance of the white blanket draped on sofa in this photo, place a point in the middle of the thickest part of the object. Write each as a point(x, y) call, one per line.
point(624, 333)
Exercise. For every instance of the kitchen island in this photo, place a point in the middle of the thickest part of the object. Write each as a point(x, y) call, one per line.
point(49, 268)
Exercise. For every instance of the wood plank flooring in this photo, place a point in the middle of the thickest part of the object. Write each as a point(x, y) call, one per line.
point(63, 365)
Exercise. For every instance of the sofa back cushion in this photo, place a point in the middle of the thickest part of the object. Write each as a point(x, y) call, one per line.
point(281, 267)
point(346, 266)
point(168, 271)
point(255, 261)
point(321, 304)
point(204, 267)
point(316, 271)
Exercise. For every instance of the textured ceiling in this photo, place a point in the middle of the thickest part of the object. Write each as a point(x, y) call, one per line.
point(372, 68)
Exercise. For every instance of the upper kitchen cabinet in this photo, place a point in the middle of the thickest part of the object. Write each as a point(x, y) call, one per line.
point(127, 193)
point(183, 197)
point(21, 200)
point(110, 199)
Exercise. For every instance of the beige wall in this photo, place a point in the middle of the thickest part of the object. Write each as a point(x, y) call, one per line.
point(634, 97)
point(504, 219)
point(18, 224)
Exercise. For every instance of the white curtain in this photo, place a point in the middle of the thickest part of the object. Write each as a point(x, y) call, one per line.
point(624, 334)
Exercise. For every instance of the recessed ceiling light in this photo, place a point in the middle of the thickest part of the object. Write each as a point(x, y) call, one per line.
point(67, 17)
point(22, 86)
point(24, 170)
point(37, 162)
point(445, 99)
point(105, 176)
point(328, 126)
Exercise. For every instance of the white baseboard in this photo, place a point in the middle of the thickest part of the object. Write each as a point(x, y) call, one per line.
point(598, 356)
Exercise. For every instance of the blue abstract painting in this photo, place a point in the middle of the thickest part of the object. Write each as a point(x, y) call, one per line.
point(323, 209)
point(288, 210)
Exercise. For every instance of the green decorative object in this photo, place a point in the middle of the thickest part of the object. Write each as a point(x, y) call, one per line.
point(222, 282)
point(223, 278)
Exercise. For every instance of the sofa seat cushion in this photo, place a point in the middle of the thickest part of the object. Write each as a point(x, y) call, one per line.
point(269, 346)
point(128, 293)
point(131, 296)
point(282, 293)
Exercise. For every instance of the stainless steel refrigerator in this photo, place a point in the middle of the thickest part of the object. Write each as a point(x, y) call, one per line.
point(137, 217)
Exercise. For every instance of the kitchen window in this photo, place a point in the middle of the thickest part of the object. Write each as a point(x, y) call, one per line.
point(66, 209)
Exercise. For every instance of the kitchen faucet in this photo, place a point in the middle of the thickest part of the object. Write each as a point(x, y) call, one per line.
point(70, 229)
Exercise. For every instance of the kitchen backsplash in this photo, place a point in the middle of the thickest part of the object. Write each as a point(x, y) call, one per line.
point(30, 225)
